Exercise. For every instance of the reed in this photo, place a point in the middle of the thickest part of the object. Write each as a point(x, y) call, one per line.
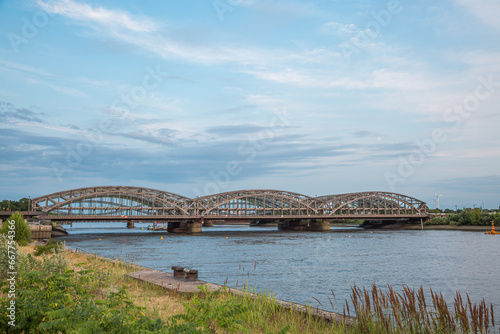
point(410, 312)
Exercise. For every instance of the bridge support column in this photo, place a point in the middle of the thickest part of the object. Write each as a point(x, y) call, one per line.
point(130, 224)
point(293, 225)
point(319, 226)
point(175, 227)
point(208, 223)
point(193, 227)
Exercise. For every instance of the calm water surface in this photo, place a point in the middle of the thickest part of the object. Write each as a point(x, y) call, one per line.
point(297, 266)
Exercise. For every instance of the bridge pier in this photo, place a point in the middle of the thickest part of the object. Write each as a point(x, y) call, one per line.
point(175, 227)
point(208, 223)
point(293, 225)
point(184, 227)
point(193, 227)
point(319, 226)
point(130, 224)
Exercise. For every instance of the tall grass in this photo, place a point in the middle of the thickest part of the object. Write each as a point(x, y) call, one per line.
point(410, 312)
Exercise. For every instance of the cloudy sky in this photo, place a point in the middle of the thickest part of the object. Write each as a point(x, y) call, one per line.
point(204, 96)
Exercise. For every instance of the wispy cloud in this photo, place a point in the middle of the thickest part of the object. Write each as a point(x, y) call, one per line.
point(488, 11)
point(11, 113)
point(146, 34)
point(100, 16)
point(229, 130)
point(338, 28)
point(16, 68)
point(381, 78)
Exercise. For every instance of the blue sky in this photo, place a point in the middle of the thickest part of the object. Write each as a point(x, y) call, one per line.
point(198, 97)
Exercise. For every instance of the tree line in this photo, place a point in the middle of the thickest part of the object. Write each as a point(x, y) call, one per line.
point(20, 205)
point(466, 217)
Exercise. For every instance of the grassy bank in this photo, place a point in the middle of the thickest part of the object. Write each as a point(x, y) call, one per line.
point(68, 292)
point(84, 291)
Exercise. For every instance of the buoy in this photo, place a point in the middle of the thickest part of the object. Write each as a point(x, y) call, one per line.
point(100, 239)
point(162, 237)
point(90, 226)
point(227, 237)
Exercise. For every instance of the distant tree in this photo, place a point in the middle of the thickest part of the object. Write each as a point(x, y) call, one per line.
point(21, 205)
point(476, 216)
point(22, 232)
point(437, 221)
point(486, 218)
point(465, 218)
point(452, 219)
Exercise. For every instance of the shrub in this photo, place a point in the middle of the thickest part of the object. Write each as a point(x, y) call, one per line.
point(21, 232)
point(437, 221)
point(51, 246)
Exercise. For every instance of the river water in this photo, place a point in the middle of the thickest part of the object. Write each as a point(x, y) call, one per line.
point(297, 266)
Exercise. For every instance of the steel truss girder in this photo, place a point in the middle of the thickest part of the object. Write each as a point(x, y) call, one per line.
point(255, 202)
point(121, 197)
point(372, 202)
point(136, 201)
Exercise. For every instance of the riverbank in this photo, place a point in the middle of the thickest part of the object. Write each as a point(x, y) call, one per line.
point(471, 228)
point(71, 291)
point(263, 313)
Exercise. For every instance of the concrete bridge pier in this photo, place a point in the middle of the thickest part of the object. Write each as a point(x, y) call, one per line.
point(293, 225)
point(208, 223)
point(319, 225)
point(193, 227)
point(130, 224)
point(175, 227)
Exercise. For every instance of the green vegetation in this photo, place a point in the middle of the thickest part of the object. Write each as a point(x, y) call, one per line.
point(21, 232)
point(466, 217)
point(51, 298)
point(61, 293)
point(4, 255)
point(21, 205)
point(410, 312)
point(52, 246)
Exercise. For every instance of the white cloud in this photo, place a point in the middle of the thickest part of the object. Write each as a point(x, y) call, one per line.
point(488, 11)
point(339, 28)
point(114, 19)
point(9, 66)
point(68, 91)
point(383, 78)
point(145, 34)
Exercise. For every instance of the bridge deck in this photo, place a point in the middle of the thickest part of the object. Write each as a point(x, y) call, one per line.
point(218, 217)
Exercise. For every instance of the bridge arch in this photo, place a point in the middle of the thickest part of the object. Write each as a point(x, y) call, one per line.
point(256, 202)
point(113, 200)
point(372, 203)
point(109, 201)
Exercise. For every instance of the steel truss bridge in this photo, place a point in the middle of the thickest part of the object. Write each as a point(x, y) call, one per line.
point(122, 203)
